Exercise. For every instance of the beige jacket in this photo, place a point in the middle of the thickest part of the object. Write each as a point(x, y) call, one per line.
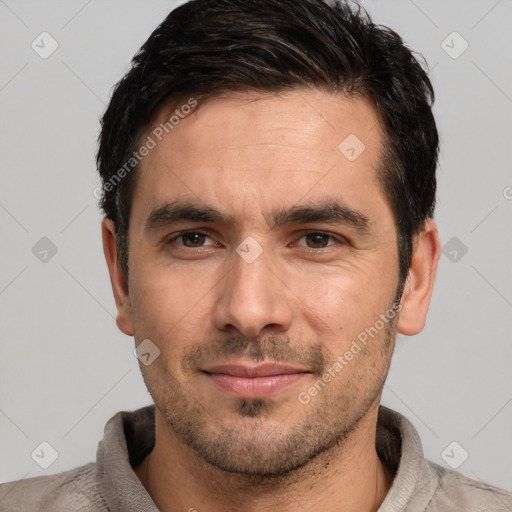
point(110, 483)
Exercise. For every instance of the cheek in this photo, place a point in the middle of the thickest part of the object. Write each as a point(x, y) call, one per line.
point(340, 305)
point(165, 302)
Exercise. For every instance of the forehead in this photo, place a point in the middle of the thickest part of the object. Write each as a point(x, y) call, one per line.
point(256, 152)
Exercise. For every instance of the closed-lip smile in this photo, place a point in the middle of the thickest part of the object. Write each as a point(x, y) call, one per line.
point(254, 381)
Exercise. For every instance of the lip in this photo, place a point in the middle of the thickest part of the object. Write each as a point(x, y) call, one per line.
point(261, 370)
point(261, 381)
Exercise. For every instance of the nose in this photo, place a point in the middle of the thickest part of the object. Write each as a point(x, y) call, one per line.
point(253, 298)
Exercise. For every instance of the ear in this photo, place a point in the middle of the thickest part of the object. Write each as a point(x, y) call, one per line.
point(420, 280)
point(117, 279)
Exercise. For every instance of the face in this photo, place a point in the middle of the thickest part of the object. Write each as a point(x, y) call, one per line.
point(260, 253)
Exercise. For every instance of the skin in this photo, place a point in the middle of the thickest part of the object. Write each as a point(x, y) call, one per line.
point(302, 301)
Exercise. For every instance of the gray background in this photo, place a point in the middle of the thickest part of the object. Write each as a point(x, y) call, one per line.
point(65, 369)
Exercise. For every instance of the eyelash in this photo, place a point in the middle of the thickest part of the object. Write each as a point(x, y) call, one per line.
point(303, 234)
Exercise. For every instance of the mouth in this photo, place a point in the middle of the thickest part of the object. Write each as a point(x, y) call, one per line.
point(253, 382)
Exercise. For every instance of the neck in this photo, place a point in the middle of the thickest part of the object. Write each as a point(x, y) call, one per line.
point(349, 476)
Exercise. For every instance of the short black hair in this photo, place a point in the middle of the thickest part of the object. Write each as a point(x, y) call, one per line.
point(205, 48)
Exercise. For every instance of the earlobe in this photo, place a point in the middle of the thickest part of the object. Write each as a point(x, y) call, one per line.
point(117, 278)
point(420, 280)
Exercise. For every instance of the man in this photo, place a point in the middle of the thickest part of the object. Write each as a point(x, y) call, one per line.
point(268, 187)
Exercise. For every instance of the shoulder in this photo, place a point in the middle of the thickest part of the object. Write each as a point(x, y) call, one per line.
point(71, 490)
point(458, 492)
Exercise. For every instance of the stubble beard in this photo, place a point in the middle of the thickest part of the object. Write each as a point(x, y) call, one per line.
point(258, 446)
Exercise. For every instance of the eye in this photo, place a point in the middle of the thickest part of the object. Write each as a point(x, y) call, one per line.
point(191, 239)
point(318, 240)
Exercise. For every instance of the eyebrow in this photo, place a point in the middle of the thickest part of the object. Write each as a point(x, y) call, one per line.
point(175, 212)
point(178, 211)
point(329, 211)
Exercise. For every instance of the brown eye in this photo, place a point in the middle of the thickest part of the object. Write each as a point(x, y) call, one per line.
point(190, 240)
point(317, 240)
point(193, 239)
